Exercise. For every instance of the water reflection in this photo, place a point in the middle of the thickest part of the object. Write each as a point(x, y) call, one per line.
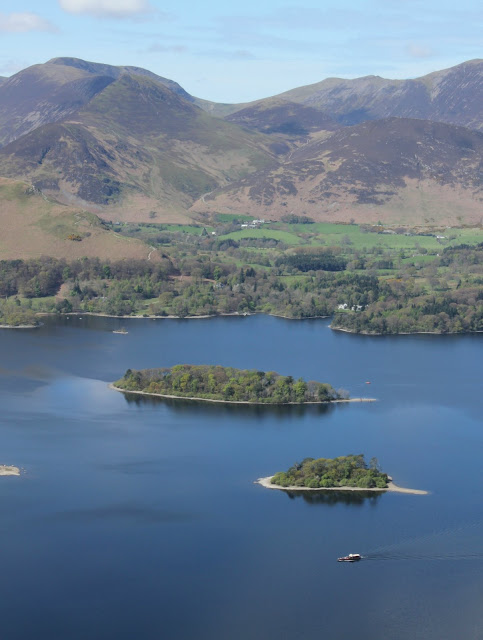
point(331, 498)
point(259, 410)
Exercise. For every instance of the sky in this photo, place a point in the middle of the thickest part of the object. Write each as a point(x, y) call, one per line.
point(248, 50)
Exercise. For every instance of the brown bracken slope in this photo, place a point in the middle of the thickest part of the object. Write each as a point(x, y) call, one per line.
point(397, 170)
point(31, 225)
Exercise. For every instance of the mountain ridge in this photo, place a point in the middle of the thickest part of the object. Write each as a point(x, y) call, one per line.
point(128, 144)
point(435, 96)
point(50, 92)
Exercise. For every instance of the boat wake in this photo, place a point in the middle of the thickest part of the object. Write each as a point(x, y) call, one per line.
point(445, 544)
point(425, 556)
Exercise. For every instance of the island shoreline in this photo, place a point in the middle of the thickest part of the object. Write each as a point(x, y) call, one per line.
point(266, 482)
point(404, 333)
point(259, 404)
point(21, 326)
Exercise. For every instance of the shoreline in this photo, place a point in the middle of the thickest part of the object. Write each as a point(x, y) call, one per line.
point(266, 482)
point(21, 326)
point(403, 333)
point(260, 404)
point(276, 315)
point(146, 317)
point(170, 317)
point(9, 470)
point(235, 314)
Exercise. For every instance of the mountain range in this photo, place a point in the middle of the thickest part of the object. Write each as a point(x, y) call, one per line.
point(453, 96)
point(127, 144)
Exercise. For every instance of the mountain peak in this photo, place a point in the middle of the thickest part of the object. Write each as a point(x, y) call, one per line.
point(115, 72)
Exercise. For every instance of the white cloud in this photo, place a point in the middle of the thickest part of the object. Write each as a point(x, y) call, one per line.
point(156, 47)
point(107, 8)
point(419, 51)
point(224, 54)
point(9, 67)
point(24, 22)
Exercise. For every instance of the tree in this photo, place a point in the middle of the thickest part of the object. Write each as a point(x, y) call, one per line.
point(374, 464)
point(300, 388)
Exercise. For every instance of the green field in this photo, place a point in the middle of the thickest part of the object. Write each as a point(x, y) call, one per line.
point(145, 230)
point(274, 234)
point(230, 217)
point(351, 236)
point(188, 228)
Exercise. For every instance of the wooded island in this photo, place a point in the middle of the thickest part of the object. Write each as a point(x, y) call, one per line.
point(226, 384)
point(323, 473)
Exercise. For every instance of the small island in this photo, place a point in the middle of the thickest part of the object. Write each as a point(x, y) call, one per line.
point(14, 316)
point(9, 470)
point(226, 384)
point(345, 473)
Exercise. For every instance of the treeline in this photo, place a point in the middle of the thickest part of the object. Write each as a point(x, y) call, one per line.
point(314, 260)
point(323, 473)
point(443, 296)
point(12, 314)
point(292, 218)
point(227, 384)
point(251, 291)
point(206, 288)
point(459, 311)
point(462, 256)
point(43, 276)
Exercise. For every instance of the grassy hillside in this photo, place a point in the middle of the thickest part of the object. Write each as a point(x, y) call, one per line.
point(32, 225)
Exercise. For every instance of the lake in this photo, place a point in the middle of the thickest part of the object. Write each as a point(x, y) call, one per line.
point(138, 518)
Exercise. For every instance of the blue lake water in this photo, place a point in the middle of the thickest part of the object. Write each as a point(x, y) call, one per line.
point(138, 518)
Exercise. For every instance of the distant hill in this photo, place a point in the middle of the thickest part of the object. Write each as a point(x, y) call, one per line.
point(452, 95)
point(395, 169)
point(276, 116)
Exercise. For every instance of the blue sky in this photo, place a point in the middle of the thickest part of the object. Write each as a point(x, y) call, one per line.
point(248, 51)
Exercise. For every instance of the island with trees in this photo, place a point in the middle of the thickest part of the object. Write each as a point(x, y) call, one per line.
point(345, 473)
point(225, 384)
point(13, 316)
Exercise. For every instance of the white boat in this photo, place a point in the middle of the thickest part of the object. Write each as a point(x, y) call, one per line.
point(352, 557)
